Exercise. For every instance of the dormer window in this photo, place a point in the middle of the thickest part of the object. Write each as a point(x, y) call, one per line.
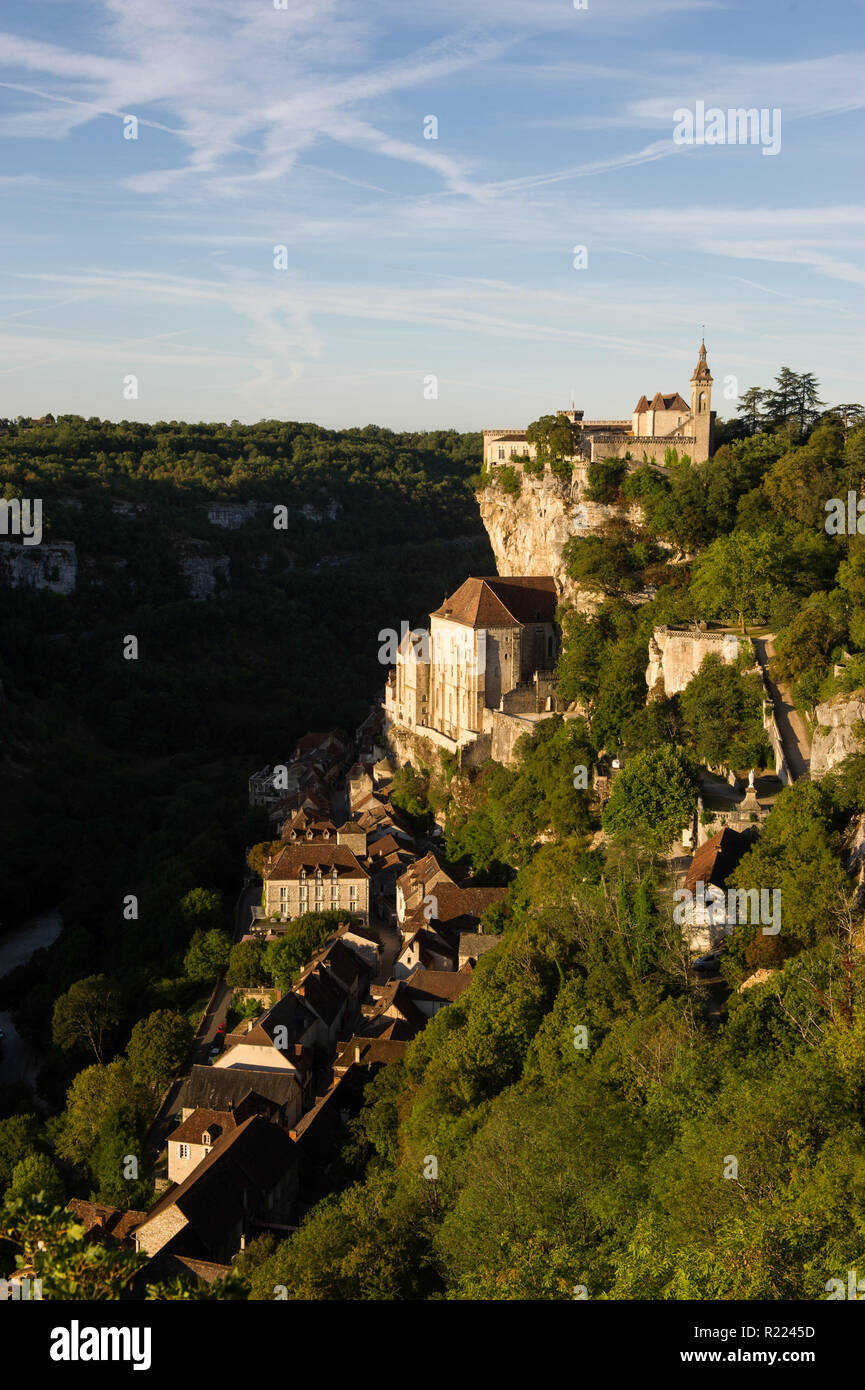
point(309, 834)
point(318, 874)
point(302, 875)
point(333, 875)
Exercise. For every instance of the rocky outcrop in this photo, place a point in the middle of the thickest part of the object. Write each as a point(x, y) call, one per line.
point(53, 567)
point(528, 532)
point(840, 731)
point(676, 655)
point(204, 574)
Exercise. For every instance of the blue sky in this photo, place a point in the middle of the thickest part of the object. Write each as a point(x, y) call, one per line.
point(409, 257)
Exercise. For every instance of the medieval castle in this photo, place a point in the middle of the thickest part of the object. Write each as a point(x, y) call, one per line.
point(665, 422)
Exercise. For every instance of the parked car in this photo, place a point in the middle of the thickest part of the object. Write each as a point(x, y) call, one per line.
point(708, 963)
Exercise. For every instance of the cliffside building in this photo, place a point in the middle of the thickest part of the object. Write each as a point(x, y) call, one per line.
point(490, 653)
point(657, 423)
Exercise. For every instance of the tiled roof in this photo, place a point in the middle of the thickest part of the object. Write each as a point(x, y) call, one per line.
point(192, 1129)
point(371, 1050)
point(438, 984)
point(219, 1088)
point(716, 859)
point(496, 602)
point(673, 401)
point(464, 905)
point(100, 1220)
point(311, 855)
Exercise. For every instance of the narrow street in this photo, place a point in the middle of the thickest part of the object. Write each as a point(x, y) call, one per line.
point(791, 725)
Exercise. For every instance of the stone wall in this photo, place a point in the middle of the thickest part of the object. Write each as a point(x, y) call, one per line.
point(676, 655)
point(837, 734)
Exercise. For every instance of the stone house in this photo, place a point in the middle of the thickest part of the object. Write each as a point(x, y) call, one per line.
point(428, 950)
point(248, 1179)
point(704, 912)
point(315, 875)
point(418, 880)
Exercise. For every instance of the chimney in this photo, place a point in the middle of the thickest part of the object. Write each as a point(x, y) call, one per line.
point(357, 1053)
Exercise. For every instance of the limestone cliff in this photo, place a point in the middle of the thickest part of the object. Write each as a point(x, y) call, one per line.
point(840, 731)
point(528, 532)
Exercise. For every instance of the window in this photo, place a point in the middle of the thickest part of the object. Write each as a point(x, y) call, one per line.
point(183, 1150)
point(501, 452)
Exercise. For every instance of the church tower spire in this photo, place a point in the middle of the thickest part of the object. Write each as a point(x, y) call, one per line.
point(701, 402)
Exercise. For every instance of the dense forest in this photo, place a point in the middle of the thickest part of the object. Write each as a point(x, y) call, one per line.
point(597, 1131)
point(128, 778)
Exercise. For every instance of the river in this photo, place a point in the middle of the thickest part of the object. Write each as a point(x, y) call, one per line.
point(18, 1061)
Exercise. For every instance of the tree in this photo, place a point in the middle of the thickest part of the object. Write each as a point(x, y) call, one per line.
point(654, 798)
point(741, 572)
point(208, 954)
point(257, 855)
point(246, 965)
point(750, 408)
point(808, 401)
point(799, 483)
point(19, 1138)
point(120, 1166)
point(555, 438)
point(203, 908)
point(850, 415)
point(722, 711)
point(158, 1047)
point(36, 1175)
point(94, 1093)
point(783, 402)
point(85, 1013)
point(285, 958)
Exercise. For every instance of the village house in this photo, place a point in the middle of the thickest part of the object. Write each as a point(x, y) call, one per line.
point(258, 1084)
point(194, 1138)
point(705, 920)
point(315, 875)
point(427, 949)
point(431, 990)
point(253, 1046)
point(248, 1180)
point(107, 1225)
point(418, 880)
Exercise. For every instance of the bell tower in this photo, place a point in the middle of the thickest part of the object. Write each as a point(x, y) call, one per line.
point(702, 415)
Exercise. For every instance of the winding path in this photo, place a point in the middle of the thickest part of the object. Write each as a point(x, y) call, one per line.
point(791, 726)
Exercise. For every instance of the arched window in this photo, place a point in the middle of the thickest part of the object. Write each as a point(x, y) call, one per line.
point(702, 404)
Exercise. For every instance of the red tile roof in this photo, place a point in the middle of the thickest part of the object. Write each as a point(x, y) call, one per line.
point(496, 602)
